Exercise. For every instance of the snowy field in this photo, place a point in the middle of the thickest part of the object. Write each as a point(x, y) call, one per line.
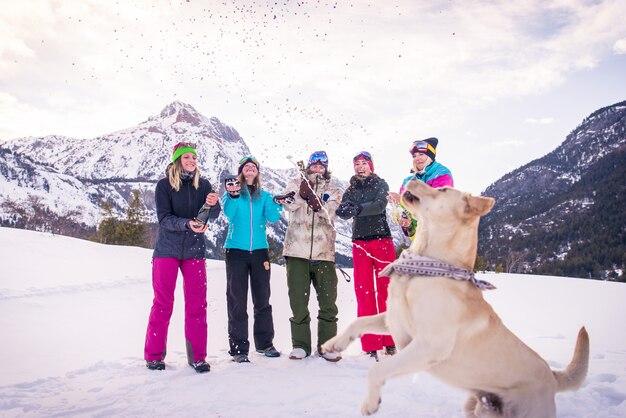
point(73, 316)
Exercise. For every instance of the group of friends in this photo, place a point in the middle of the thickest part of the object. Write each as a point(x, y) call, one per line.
point(313, 203)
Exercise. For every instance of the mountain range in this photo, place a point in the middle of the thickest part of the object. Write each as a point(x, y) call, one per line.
point(56, 183)
point(564, 213)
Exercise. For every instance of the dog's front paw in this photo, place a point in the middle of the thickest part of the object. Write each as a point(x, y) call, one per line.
point(370, 406)
point(336, 344)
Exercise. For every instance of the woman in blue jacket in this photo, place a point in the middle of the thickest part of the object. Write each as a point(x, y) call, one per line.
point(248, 210)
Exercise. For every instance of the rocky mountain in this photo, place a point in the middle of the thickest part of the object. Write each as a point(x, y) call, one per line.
point(55, 183)
point(564, 213)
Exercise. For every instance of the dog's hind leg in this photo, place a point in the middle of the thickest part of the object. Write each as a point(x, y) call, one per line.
point(415, 357)
point(374, 324)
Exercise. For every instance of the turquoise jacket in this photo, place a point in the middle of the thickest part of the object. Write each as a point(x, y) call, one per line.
point(435, 175)
point(247, 219)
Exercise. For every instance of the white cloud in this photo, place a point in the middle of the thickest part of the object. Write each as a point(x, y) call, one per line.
point(368, 74)
point(539, 121)
point(619, 48)
point(509, 143)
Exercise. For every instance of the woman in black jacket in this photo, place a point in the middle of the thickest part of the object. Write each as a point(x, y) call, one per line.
point(365, 200)
point(180, 245)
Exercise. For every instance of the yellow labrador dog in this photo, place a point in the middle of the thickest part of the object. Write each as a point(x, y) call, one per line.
point(442, 325)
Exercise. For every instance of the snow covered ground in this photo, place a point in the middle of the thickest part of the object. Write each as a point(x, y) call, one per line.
point(73, 316)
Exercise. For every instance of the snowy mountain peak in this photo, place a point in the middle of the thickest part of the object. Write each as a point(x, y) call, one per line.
point(183, 111)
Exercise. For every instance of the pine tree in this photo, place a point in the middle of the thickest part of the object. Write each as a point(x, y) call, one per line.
point(132, 231)
point(108, 226)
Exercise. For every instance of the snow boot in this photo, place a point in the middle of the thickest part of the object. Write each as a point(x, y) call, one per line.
point(297, 354)
point(270, 351)
point(201, 366)
point(155, 365)
point(241, 358)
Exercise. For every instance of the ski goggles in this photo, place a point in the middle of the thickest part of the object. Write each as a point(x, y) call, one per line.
point(423, 147)
point(248, 159)
point(363, 154)
point(184, 145)
point(318, 157)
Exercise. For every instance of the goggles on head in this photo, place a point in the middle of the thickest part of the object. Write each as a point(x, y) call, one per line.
point(248, 159)
point(422, 147)
point(184, 144)
point(318, 157)
point(363, 154)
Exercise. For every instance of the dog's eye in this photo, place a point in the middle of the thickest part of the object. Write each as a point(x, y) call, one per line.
point(442, 190)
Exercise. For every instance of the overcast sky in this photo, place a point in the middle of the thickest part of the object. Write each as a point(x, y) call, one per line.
point(500, 83)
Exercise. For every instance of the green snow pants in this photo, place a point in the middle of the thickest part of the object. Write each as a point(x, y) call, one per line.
point(301, 273)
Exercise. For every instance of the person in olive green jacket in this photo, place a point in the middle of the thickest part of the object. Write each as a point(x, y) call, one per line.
point(309, 250)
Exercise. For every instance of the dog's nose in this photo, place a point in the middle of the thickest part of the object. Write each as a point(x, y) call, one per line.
point(409, 197)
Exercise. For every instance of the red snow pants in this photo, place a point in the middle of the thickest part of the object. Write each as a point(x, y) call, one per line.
point(164, 274)
point(370, 288)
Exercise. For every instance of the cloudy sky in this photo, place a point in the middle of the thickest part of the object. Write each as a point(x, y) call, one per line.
point(500, 83)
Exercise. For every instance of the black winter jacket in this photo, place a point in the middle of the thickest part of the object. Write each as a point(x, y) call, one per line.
point(174, 210)
point(370, 193)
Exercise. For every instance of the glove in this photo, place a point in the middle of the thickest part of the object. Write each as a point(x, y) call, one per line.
point(233, 183)
point(288, 198)
point(306, 189)
point(314, 203)
point(347, 210)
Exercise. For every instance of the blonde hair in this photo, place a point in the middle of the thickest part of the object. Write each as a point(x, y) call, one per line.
point(173, 174)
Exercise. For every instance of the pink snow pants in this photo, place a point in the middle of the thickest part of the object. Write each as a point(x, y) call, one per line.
point(370, 288)
point(164, 274)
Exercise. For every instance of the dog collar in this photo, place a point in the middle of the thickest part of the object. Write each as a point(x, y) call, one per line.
point(417, 265)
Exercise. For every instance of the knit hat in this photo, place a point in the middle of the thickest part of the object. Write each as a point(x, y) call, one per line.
point(245, 160)
point(426, 146)
point(364, 155)
point(318, 157)
point(181, 148)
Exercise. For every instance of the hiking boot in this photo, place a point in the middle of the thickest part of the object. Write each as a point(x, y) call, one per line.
point(241, 358)
point(270, 351)
point(373, 354)
point(297, 354)
point(332, 357)
point(390, 350)
point(155, 365)
point(201, 366)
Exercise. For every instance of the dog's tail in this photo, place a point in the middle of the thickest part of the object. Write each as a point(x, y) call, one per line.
point(574, 375)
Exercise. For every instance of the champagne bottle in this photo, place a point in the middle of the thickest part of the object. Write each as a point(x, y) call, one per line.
point(203, 216)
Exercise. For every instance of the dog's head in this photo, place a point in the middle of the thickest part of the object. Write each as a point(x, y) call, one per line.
point(447, 221)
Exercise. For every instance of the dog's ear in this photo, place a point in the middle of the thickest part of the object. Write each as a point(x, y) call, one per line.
point(478, 205)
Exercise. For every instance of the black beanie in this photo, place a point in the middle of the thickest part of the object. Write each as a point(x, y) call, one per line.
point(431, 150)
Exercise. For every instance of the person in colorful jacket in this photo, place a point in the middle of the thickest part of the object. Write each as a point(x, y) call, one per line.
point(248, 210)
point(309, 250)
point(180, 246)
point(426, 169)
point(365, 200)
